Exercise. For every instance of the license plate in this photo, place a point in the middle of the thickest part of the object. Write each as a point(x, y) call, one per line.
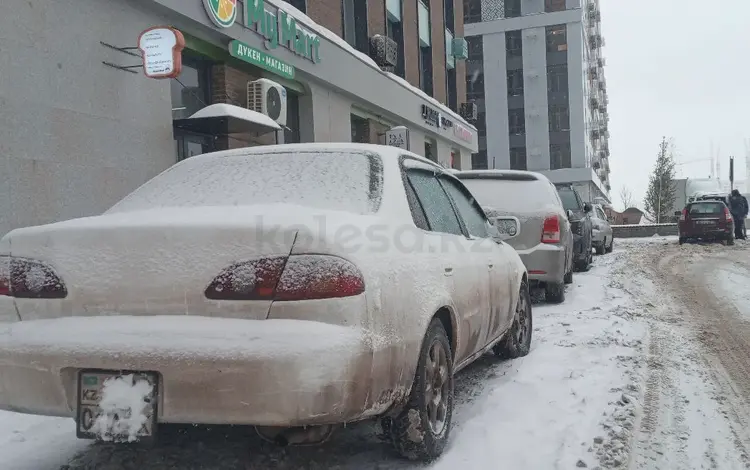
point(705, 222)
point(106, 402)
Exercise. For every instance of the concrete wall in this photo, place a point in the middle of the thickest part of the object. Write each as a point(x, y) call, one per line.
point(535, 98)
point(579, 154)
point(641, 231)
point(496, 100)
point(76, 135)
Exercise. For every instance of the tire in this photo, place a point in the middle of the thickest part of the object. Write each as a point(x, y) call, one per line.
point(554, 292)
point(568, 279)
point(413, 433)
point(730, 241)
point(611, 246)
point(517, 341)
point(601, 248)
point(681, 240)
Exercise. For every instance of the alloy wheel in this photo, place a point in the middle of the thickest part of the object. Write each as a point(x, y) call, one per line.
point(437, 387)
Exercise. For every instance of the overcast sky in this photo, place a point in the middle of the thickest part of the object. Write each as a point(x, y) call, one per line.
point(677, 68)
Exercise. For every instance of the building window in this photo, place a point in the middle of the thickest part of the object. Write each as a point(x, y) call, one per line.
point(554, 5)
point(559, 118)
point(425, 48)
point(449, 15)
point(429, 151)
point(512, 8)
point(472, 11)
point(474, 82)
point(291, 132)
point(516, 121)
point(518, 158)
point(395, 30)
point(481, 125)
point(513, 43)
point(479, 160)
point(559, 156)
point(557, 39)
point(300, 5)
point(360, 130)
point(515, 82)
point(452, 92)
point(354, 20)
point(557, 78)
point(192, 91)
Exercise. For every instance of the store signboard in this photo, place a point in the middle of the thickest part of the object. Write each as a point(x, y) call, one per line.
point(462, 133)
point(277, 27)
point(398, 137)
point(261, 59)
point(161, 48)
point(435, 118)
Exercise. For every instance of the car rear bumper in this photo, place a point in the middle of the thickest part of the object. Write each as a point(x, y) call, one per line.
point(544, 262)
point(212, 371)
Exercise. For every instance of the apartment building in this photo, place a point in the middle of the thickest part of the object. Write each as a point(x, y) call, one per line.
point(536, 71)
point(84, 125)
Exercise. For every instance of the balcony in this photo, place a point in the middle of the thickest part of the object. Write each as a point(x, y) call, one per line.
point(596, 41)
point(594, 102)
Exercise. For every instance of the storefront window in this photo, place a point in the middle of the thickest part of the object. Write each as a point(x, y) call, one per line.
point(191, 91)
point(360, 130)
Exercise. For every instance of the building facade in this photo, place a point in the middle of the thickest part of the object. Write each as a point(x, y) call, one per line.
point(81, 125)
point(536, 71)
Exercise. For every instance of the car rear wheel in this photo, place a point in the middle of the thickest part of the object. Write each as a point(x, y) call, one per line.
point(681, 240)
point(601, 248)
point(611, 246)
point(554, 292)
point(730, 241)
point(517, 341)
point(568, 279)
point(420, 431)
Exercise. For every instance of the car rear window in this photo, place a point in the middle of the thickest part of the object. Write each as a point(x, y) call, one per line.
point(511, 195)
point(707, 208)
point(345, 181)
point(568, 198)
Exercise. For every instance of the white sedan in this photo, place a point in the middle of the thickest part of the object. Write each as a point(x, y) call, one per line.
point(290, 287)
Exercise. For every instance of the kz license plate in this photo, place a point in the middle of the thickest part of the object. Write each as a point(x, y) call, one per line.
point(705, 222)
point(117, 406)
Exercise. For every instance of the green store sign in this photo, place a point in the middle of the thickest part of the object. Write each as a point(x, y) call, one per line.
point(261, 59)
point(277, 28)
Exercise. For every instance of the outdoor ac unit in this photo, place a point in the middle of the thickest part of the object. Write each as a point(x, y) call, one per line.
point(384, 51)
point(469, 111)
point(267, 97)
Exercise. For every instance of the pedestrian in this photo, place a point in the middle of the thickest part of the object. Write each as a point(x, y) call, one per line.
point(739, 208)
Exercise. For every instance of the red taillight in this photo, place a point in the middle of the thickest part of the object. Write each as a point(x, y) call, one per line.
point(299, 277)
point(683, 216)
point(551, 230)
point(29, 279)
point(728, 215)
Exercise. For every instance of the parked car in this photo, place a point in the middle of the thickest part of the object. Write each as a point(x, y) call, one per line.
point(579, 214)
point(706, 220)
point(545, 241)
point(289, 287)
point(602, 237)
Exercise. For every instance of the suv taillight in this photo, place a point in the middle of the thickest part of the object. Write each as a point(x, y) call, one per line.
point(298, 277)
point(551, 230)
point(728, 215)
point(683, 216)
point(29, 279)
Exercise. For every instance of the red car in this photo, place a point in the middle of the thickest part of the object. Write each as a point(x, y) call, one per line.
point(706, 220)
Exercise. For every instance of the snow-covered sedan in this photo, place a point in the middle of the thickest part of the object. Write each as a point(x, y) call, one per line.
point(291, 287)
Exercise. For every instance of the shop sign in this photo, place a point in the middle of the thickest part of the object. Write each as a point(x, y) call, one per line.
point(434, 118)
point(462, 133)
point(161, 48)
point(261, 59)
point(398, 137)
point(278, 28)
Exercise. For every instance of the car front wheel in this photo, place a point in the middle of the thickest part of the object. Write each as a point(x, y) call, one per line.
point(517, 341)
point(420, 431)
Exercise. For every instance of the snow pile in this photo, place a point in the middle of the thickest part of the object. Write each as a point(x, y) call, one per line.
point(125, 409)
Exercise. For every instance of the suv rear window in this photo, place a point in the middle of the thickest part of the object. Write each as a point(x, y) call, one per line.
point(568, 197)
point(706, 208)
point(511, 195)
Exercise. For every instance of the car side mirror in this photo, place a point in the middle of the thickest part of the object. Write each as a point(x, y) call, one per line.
point(505, 228)
point(586, 207)
point(569, 213)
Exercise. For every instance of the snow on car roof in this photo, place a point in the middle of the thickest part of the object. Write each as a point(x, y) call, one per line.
point(336, 39)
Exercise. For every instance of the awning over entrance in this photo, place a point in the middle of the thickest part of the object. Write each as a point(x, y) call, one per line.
point(223, 119)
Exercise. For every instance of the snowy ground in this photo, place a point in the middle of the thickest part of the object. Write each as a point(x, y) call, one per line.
point(618, 376)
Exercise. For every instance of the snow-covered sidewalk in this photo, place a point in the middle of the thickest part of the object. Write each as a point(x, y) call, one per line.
point(570, 402)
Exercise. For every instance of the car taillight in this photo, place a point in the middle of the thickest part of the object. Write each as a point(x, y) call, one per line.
point(551, 230)
point(683, 216)
point(728, 215)
point(29, 279)
point(298, 277)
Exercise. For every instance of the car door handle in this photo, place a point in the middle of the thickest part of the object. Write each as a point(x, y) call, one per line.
point(449, 271)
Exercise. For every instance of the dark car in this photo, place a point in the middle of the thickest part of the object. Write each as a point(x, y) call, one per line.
point(706, 220)
point(580, 224)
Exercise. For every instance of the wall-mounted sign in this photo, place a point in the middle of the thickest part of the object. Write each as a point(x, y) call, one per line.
point(261, 59)
point(462, 133)
point(161, 48)
point(278, 27)
point(223, 13)
point(398, 137)
point(434, 118)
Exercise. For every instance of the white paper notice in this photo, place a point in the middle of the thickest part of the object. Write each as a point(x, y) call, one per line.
point(158, 48)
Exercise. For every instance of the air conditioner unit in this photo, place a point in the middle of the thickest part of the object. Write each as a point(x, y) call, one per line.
point(267, 97)
point(384, 51)
point(469, 111)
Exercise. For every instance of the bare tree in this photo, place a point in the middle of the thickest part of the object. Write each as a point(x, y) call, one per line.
point(626, 197)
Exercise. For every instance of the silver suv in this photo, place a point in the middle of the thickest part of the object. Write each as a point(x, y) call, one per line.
point(545, 241)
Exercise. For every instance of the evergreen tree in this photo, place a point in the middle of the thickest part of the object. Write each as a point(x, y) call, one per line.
point(660, 197)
